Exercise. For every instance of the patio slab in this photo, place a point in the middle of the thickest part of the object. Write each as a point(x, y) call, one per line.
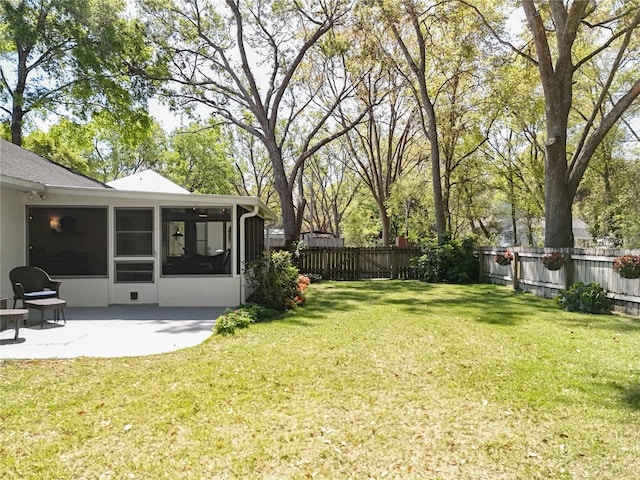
point(115, 331)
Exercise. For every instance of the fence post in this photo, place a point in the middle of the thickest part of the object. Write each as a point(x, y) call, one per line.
point(481, 265)
point(325, 264)
point(394, 263)
point(568, 270)
point(515, 279)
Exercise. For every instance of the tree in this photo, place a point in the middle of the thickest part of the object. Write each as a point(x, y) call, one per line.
point(606, 197)
point(67, 56)
point(273, 69)
point(515, 152)
point(569, 38)
point(439, 51)
point(415, 35)
point(388, 144)
point(361, 225)
point(465, 114)
point(332, 188)
point(104, 148)
point(411, 211)
point(253, 169)
point(55, 145)
point(200, 160)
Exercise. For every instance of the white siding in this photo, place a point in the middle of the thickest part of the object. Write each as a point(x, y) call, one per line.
point(199, 292)
point(12, 237)
point(85, 292)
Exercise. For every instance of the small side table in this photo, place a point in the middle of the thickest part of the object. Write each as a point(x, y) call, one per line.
point(15, 314)
point(55, 304)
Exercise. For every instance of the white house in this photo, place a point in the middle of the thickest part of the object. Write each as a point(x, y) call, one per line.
point(125, 245)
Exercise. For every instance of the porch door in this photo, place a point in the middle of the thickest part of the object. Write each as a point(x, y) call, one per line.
point(134, 262)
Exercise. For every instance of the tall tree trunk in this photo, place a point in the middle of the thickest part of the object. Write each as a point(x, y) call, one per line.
point(418, 68)
point(289, 224)
point(285, 194)
point(556, 74)
point(514, 224)
point(17, 116)
point(558, 199)
point(17, 97)
point(556, 77)
point(438, 202)
point(385, 222)
point(558, 218)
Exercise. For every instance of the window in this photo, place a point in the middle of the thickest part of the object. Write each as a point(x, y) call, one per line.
point(134, 232)
point(68, 241)
point(134, 272)
point(196, 241)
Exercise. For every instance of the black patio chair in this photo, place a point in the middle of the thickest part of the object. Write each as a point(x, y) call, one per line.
point(32, 283)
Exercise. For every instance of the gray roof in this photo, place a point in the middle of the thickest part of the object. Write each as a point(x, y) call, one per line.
point(21, 164)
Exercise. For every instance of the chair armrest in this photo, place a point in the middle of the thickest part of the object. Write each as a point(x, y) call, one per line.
point(53, 285)
point(18, 290)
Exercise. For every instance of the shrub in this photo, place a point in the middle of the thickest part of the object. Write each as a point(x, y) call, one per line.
point(259, 313)
point(627, 266)
point(451, 261)
point(584, 297)
point(242, 317)
point(274, 280)
point(227, 323)
point(225, 326)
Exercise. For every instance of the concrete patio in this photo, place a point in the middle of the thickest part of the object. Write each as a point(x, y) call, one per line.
point(115, 331)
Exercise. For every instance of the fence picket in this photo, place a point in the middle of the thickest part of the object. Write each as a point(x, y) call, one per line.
point(358, 263)
point(526, 272)
point(587, 266)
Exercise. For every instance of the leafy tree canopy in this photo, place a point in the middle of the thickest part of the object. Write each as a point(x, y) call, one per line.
point(67, 57)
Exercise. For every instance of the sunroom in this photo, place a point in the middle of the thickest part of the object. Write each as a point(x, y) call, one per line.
point(111, 246)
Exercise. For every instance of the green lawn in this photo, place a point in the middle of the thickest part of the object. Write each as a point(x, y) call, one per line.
point(383, 379)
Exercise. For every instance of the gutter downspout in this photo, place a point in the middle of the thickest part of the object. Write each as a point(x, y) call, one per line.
point(243, 217)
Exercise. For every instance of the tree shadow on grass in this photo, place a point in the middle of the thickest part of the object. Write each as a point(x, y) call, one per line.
point(629, 394)
point(615, 323)
point(485, 303)
point(492, 304)
point(345, 296)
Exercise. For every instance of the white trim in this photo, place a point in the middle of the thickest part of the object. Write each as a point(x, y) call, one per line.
point(193, 199)
point(593, 258)
point(624, 298)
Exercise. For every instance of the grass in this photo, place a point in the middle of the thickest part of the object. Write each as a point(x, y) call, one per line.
point(369, 380)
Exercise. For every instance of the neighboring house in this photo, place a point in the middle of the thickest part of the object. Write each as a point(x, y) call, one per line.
point(275, 239)
point(141, 240)
point(321, 239)
point(582, 237)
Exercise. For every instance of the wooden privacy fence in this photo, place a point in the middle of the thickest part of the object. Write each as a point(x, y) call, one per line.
point(590, 265)
point(358, 263)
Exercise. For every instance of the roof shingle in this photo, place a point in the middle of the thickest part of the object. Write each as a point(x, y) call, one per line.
point(22, 164)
